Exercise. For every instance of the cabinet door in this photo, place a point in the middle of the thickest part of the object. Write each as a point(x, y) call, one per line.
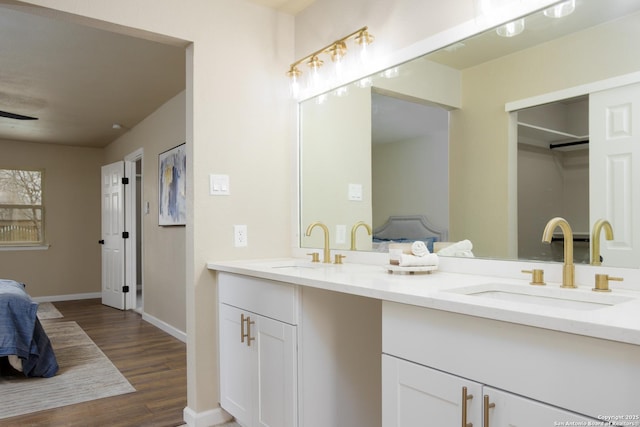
point(237, 366)
point(516, 411)
point(414, 395)
point(275, 345)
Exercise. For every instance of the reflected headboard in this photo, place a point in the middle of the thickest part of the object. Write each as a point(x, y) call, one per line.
point(409, 227)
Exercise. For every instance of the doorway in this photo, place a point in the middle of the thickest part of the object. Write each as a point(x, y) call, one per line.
point(133, 213)
point(553, 177)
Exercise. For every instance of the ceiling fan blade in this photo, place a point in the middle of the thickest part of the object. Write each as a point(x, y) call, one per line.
point(16, 116)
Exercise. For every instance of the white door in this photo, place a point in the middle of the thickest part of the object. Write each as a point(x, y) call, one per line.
point(414, 395)
point(237, 365)
point(614, 146)
point(112, 240)
point(277, 402)
point(515, 411)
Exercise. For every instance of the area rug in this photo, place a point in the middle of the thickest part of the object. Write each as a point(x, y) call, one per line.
point(46, 311)
point(85, 374)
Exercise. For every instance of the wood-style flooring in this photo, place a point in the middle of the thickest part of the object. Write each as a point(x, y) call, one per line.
point(153, 362)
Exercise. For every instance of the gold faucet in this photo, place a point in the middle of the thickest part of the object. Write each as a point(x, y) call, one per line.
point(568, 269)
point(353, 232)
point(326, 253)
point(595, 239)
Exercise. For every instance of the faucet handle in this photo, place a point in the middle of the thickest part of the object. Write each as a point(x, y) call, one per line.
point(315, 256)
point(537, 276)
point(339, 258)
point(602, 282)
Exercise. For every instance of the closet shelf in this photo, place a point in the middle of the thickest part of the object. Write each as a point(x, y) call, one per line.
point(546, 138)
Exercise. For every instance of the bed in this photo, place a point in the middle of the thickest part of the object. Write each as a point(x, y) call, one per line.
point(23, 342)
point(405, 229)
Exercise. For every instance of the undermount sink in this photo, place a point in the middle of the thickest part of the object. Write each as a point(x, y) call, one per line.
point(296, 264)
point(575, 299)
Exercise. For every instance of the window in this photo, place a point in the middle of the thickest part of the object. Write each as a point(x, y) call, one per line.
point(21, 209)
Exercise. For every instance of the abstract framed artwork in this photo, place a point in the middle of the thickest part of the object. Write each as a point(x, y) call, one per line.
point(172, 201)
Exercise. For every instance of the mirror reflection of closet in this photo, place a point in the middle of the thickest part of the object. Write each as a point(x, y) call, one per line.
point(553, 177)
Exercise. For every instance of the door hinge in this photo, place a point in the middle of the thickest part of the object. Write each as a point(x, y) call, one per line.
point(125, 234)
point(125, 289)
point(101, 242)
point(125, 180)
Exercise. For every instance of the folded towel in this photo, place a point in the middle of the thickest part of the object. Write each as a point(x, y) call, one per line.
point(462, 249)
point(419, 248)
point(418, 261)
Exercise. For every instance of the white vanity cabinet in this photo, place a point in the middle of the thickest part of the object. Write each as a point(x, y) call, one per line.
point(258, 350)
point(415, 395)
point(530, 376)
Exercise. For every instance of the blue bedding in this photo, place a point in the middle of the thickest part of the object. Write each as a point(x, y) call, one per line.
point(21, 333)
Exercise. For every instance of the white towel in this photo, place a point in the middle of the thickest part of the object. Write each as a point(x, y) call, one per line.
point(462, 249)
point(418, 261)
point(418, 248)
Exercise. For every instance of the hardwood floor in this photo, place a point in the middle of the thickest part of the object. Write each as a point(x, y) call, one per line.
point(153, 362)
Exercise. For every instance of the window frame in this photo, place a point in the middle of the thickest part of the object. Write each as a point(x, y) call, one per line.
point(4, 245)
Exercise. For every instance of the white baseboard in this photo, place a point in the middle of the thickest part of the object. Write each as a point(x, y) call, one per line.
point(68, 297)
point(212, 417)
point(171, 330)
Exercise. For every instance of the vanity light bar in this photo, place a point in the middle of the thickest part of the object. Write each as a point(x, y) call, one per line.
point(336, 50)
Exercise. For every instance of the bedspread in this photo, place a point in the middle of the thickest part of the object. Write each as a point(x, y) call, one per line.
point(21, 333)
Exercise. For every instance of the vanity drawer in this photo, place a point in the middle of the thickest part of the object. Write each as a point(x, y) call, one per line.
point(586, 375)
point(277, 300)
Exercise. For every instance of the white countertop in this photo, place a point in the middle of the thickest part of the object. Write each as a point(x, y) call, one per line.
point(441, 290)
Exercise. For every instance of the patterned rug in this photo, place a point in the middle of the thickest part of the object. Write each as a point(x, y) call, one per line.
point(85, 374)
point(46, 310)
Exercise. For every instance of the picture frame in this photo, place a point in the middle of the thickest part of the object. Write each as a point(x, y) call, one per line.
point(172, 187)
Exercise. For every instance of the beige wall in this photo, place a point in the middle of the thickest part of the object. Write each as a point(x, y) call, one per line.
point(336, 153)
point(239, 122)
point(164, 251)
point(479, 138)
point(71, 265)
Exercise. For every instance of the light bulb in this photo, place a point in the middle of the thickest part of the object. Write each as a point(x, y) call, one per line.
point(511, 29)
point(294, 74)
point(561, 10)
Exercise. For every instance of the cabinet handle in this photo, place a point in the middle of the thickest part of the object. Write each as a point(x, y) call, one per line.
point(249, 337)
point(242, 320)
point(465, 397)
point(487, 406)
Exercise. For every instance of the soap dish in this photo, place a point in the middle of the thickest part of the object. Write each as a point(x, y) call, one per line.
point(411, 270)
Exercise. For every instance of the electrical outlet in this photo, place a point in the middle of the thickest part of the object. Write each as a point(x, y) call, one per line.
point(240, 235)
point(341, 234)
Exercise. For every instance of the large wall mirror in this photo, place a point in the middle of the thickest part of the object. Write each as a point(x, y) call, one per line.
point(487, 139)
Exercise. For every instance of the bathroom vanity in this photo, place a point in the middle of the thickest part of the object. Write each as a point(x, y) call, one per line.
point(309, 344)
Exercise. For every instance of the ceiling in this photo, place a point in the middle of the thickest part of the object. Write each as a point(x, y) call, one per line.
point(288, 6)
point(78, 81)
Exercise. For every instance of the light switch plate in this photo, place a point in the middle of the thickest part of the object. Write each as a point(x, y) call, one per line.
point(355, 192)
point(341, 233)
point(219, 185)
